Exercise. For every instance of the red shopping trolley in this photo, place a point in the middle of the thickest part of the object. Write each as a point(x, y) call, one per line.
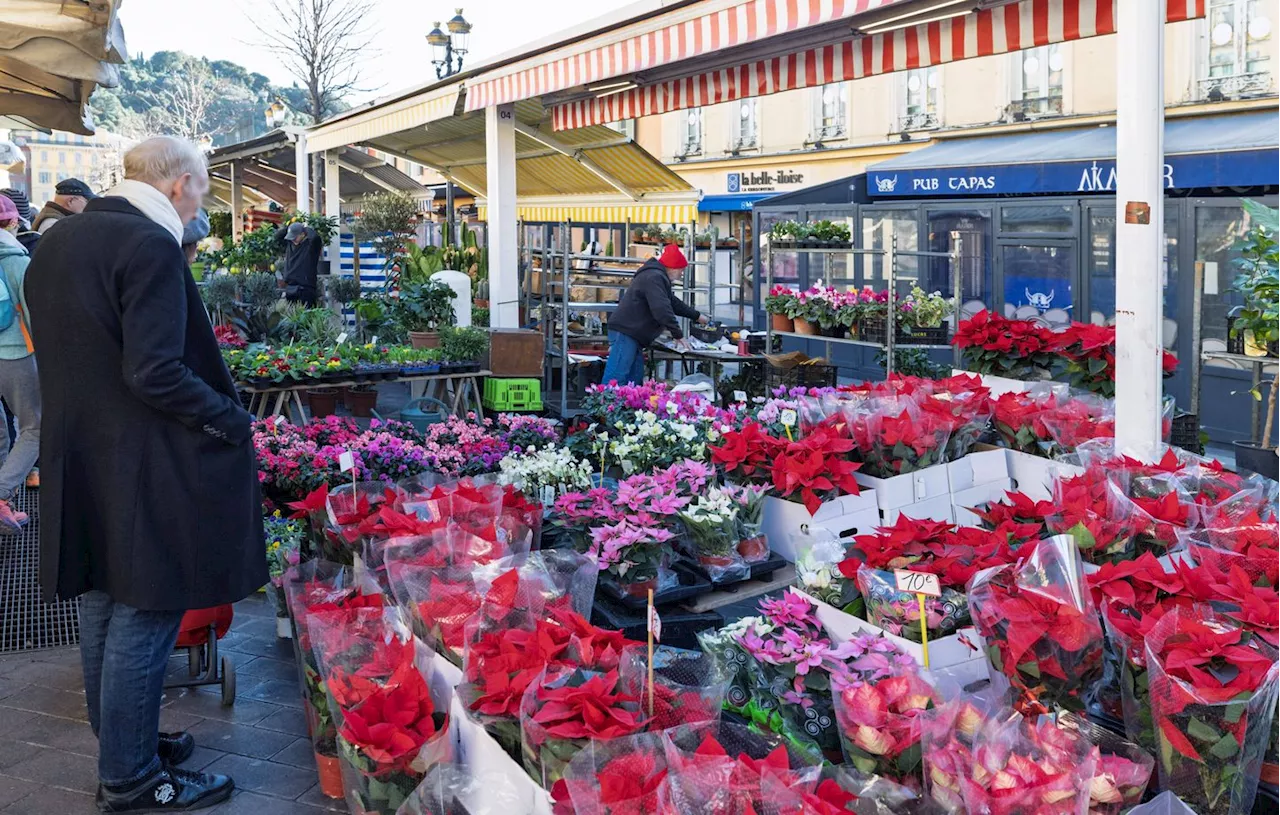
point(198, 635)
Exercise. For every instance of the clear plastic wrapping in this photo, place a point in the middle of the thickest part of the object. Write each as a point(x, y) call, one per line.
point(689, 687)
point(450, 789)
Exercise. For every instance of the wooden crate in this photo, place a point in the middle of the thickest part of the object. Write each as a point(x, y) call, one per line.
point(515, 352)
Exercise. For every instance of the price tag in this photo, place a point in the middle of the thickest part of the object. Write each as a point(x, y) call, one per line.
point(347, 461)
point(548, 495)
point(788, 418)
point(342, 338)
point(739, 396)
point(917, 582)
point(655, 624)
point(375, 339)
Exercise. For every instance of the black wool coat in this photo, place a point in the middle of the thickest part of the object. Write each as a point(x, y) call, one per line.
point(149, 484)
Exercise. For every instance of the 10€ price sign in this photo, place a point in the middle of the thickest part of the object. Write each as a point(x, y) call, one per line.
point(917, 582)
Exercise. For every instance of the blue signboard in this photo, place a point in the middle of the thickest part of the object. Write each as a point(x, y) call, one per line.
point(1245, 168)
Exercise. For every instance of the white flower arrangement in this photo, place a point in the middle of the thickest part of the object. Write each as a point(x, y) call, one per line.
point(652, 442)
point(551, 471)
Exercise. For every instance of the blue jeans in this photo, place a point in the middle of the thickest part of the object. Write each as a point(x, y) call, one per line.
point(626, 360)
point(125, 652)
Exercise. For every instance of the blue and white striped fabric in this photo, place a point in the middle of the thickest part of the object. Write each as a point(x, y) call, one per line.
point(372, 276)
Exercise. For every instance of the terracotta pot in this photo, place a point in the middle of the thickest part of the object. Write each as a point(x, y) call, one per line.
point(330, 772)
point(754, 549)
point(782, 322)
point(324, 401)
point(480, 302)
point(805, 327)
point(424, 339)
point(1270, 774)
point(640, 589)
point(361, 402)
point(715, 561)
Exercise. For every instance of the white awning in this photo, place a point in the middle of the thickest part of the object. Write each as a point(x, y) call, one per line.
point(53, 54)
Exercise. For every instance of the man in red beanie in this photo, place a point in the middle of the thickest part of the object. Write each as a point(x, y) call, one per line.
point(648, 306)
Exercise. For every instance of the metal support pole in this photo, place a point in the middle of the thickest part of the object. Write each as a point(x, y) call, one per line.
point(564, 321)
point(449, 215)
point(302, 174)
point(956, 294)
point(237, 201)
point(740, 256)
point(1139, 224)
point(500, 169)
point(333, 209)
point(890, 327)
point(1197, 292)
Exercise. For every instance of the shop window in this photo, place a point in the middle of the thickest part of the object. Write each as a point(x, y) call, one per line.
point(1039, 281)
point(920, 94)
point(1037, 83)
point(970, 232)
point(829, 113)
point(744, 131)
point(1236, 60)
point(691, 134)
point(879, 228)
point(1101, 265)
point(1047, 219)
point(1219, 233)
point(785, 265)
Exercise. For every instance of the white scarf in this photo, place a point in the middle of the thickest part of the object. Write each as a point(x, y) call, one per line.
point(151, 203)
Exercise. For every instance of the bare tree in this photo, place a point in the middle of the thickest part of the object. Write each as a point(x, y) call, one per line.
point(321, 42)
point(184, 101)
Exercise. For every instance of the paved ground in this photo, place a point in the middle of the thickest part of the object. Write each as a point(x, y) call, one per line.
point(48, 755)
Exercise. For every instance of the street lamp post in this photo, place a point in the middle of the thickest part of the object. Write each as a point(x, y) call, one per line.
point(274, 114)
point(449, 49)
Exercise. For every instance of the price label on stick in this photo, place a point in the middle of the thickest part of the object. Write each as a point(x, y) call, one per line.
point(347, 461)
point(739, 396)
point(342, 338)
point(655, 624)
point(917, 582)
point(788, 418)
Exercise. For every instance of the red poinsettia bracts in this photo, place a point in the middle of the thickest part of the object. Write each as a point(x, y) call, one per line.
point(994, 344)
point(747, 453)
point(390, 724)
point(592, 708)
point(1090, 351)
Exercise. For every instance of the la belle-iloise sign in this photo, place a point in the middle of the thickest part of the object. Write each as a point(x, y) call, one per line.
point(763, 181)
point(1228, 169)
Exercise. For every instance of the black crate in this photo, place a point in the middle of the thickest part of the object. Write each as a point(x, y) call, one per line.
point(709, 334)
point(679, 628)
point(691, 585)
point(758, 571)
point(807, 376)
point(1267, 800)
point(877, 330)
point(1185, 433)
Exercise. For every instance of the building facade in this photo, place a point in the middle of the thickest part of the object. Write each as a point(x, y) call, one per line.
point(97, 160)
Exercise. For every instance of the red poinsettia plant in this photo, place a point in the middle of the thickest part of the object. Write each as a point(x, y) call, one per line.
point(619, 777)
point(1041, 626)
point(1017, 511)
point(1096, 515)
point(731, 772)
point(902, 441)
point(993, 344)
point(807, 470)
point(564, 709)
point(1090, 353)
point(1018, 419)
point(1213, 700)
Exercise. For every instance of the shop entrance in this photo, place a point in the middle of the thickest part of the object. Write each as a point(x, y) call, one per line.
point(1039, 279)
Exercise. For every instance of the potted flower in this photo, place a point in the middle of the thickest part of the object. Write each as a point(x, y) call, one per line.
point(781, 306)
point(1258, 322)
point(423, 309)
point(464, 345)
point(284, 550)
point(788, 234)
point(993, 345)
point(712, 524)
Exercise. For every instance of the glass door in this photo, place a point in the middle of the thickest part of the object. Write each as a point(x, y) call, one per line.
point(1039, 280)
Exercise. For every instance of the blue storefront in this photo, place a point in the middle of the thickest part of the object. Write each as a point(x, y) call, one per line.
point(1033, 217)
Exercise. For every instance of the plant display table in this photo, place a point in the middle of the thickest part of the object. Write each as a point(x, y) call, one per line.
point(460, 391)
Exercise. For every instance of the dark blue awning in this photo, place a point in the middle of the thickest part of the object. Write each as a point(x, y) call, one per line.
point(739, 202)
point(1228, 150)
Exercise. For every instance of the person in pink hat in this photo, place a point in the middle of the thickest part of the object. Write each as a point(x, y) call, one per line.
point(19, 385)
point(647, 308)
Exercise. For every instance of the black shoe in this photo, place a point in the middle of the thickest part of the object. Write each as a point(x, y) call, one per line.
point(176, 748)
point(170, 790)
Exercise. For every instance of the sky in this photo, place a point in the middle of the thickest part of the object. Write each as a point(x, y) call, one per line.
point(231, 30)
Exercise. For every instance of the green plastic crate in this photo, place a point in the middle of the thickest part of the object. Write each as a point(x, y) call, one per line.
point(512, 395)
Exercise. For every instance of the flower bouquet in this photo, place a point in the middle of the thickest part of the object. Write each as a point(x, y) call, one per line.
point(563, 709)
point(818, 573)
point(949, 737)
point(752, 545)
point(1028, 766)
point(1096, 516)
point(1090, 354)
point(622, 776)
point(897, 437)
point(350, 506)
point(1041, 626)
point(436, 596)
point(1213, 703)
point(1121, 769)
point(878, 717)
point(689, 687)
point(711, 523)
point(993, 344)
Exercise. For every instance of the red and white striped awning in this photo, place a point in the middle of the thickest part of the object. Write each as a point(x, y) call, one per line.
point(642, 46)
point(1025, 24)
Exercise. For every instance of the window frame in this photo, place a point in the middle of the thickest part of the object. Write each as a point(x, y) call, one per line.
point(1048, 103)
point(739, 139)
point(1240, 81)
point(930, 116)
point(821, 131)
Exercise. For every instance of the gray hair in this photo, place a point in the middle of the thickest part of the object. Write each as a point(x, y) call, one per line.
point(162, 158)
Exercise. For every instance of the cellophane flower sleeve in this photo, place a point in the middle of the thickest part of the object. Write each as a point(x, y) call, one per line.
point(688, 686)
point(898, 612)
point(450, 789)
point(722, 646)
point(839, 791)
point(1252, 548)
point(1029, 766)
point(879, 724)
point(1041, 625)
point(730, 769)
point(624, 776)
point(437, 595)
point(1121, 768)
point(564, 709)
point(1161, 508)
point(349, 506)
point(1213, 704)
point(553, 578)
point(901, 438)
point(819, 554)
point(1166, 803)
point(949, 737)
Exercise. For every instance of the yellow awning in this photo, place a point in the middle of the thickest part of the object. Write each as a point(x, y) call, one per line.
point(405, 114)
point(605, 214)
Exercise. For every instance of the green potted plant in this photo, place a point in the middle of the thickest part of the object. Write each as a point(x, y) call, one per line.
point(388, 221)
point(464, 346)
point(423, 309)
point(781, 304)
point(1257, 321)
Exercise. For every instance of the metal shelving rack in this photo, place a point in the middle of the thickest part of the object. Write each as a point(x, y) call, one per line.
point(891, 282)
point(556, 266)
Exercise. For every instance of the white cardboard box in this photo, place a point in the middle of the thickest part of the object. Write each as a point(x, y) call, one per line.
point(1034, 475)
point(934, 509)
point(908, 488)
point(1000, 385)
point(979, 467)
point(963, 654)
point(478, 751)
point(963, 501)
point(845, 516)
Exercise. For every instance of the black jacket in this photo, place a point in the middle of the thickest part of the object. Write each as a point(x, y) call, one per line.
point(301, 264)
point(149, 479)
point(649, 305)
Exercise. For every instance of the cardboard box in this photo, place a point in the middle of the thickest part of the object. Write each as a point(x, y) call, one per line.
point(845, 516)
point(908, 488)
point(515, 352)
point(964, 500)
point(484, 757)
point(937, 508)
point(979, 467)
point(962, 655)
point(1035, 476)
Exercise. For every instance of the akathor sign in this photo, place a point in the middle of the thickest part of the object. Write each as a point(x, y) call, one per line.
point(1231, 169)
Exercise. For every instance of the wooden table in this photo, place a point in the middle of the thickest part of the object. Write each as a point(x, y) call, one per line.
point(718, 359)
point(459, 391)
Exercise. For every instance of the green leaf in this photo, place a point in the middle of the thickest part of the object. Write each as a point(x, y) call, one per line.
point(1226, 747)
point(1030, 669)
point(1097, 366)
point(1200, 731)
point(1233, 713)
point(909, 759)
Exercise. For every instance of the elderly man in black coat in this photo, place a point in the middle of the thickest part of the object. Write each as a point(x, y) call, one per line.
point(150, 503)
